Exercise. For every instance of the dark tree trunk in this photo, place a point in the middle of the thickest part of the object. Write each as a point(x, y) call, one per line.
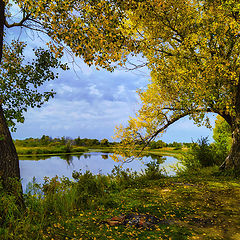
point(2, 21)
point(9, 163)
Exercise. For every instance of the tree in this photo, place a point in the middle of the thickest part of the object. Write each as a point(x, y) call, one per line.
point(18, 90)
point(190, 46)
point(192, 51)
point(70, 25)
point(104, 142)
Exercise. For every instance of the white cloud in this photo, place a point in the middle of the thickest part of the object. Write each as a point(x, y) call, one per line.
point(94, 91)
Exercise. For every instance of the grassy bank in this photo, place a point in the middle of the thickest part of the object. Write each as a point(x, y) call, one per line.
point(201, 206)
point(53, 150)
point(168, 151)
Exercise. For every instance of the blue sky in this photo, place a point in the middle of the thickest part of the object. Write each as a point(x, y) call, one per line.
point(90, 103)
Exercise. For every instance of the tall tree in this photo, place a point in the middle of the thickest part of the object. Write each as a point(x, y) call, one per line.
point(192, 50)
point(190, 46)
point(19, 82)
point(90, 29)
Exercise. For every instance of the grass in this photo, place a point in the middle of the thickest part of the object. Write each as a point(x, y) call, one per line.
point(49, 150)
point(58, 150)
point(201, 206)
point(168, 151)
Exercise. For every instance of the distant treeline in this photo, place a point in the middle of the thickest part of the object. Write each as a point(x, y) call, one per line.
point(86, 142)
point(49, 141)
point(160, 144)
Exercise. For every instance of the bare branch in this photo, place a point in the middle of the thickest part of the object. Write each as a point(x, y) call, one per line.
point(154, 135)
point(18, 24)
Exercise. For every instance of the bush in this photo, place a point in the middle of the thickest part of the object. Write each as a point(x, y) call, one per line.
point(153, 171)
point(200, 155)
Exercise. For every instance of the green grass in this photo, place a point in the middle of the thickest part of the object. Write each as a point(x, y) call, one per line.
point(167, 151)
point(202, 206)
point(49, 150)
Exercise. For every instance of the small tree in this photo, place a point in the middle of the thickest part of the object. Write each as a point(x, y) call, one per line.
point(19, 82)
point(104, 142)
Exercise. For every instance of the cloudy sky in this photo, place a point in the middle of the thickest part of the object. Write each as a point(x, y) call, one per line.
point(90, 103)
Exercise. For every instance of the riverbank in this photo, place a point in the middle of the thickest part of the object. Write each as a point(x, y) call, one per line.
point(62, 150)
point(50, 151)
point(200, 206)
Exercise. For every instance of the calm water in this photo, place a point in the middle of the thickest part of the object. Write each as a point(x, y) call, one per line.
point(96, 162)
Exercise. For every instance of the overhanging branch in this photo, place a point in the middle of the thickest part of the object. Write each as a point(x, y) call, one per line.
point(17, 24)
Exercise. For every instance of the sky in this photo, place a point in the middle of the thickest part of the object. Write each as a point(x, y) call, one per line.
point(90, 103)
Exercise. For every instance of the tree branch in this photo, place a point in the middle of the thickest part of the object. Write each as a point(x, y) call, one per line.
point(19, 24)
point(150, 138)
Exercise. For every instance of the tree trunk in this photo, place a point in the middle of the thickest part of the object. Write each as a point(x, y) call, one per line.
point(9, 163)
point(2, 21)
point(232, 162)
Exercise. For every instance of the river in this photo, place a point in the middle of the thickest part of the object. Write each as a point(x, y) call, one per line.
point(96, 162)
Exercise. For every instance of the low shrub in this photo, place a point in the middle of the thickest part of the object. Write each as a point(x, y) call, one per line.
point(153, 171)
point(200, 155)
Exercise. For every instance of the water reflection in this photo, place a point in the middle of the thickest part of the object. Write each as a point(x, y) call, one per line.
point(96, 162)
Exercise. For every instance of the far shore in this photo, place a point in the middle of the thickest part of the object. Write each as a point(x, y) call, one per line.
point(46, 151)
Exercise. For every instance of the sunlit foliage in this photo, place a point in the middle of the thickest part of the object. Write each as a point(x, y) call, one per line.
point(191, 48)
point(192, 51)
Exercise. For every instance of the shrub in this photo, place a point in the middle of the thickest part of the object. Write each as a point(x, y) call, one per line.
point(153, 171)
point(201, 154)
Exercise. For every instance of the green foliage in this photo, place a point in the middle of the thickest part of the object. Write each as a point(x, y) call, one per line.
point(104, 142)
point(123, 178)
point(222, 138)
point(10, 207)
point(153, 171)
point(20, 79)
point(157, 144)
point(49, 145)
point(90, 189)
point(62, 208)
point(200, 155)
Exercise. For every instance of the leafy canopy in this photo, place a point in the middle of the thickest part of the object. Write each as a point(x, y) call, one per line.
point(222, 137)
point(192, 50)
point(90, 29)
point(19, 80)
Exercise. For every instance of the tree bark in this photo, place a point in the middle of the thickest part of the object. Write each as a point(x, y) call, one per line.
point(9, 163)
point(2, 21)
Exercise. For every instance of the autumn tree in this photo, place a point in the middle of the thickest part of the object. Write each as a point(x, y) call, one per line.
point(90, 29)
point(191, 48)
